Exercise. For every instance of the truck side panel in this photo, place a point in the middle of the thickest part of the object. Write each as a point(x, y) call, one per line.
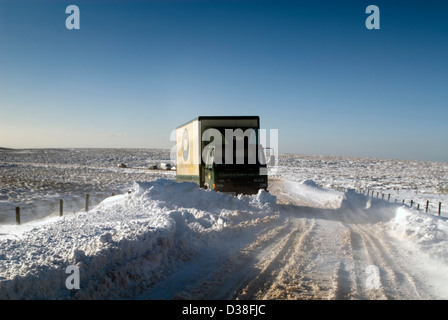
point(188, 159)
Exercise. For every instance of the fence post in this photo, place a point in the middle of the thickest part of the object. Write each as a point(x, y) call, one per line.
point(87, 202)
point(388, 197)
point(18, 215)
point(427, 205)
point(61, 207)
point(440, 207)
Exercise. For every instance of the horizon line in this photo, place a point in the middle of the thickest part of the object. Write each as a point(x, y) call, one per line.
point(280, 153)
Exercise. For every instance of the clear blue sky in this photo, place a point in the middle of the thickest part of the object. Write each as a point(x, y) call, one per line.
point(311, 69)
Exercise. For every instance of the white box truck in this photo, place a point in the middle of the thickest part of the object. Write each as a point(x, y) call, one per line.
point(222, 153)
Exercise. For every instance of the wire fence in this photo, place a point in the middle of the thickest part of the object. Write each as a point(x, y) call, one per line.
point(32, 211)
point(433, 207)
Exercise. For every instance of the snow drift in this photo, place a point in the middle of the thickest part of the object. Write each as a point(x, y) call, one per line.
point(126, 243)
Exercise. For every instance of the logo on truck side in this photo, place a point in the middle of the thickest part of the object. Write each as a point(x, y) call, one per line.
point(185, 145)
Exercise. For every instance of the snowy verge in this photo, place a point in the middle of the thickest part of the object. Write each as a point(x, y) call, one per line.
point(423, 238)
point(429, 233)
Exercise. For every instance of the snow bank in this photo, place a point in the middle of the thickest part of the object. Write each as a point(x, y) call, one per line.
point(428, 232)
point(421, 239)
point(424, 239)
point(126, 243)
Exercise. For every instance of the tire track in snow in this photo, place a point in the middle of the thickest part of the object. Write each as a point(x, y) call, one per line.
point(239, 268)
point(404, 285)
point(344, 283)
point(369, 248)
point(361, 258)
point(274, 261)
point(218, 273)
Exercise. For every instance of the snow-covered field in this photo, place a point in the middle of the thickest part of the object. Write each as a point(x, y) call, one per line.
point(306, 239)
point(36, 179)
